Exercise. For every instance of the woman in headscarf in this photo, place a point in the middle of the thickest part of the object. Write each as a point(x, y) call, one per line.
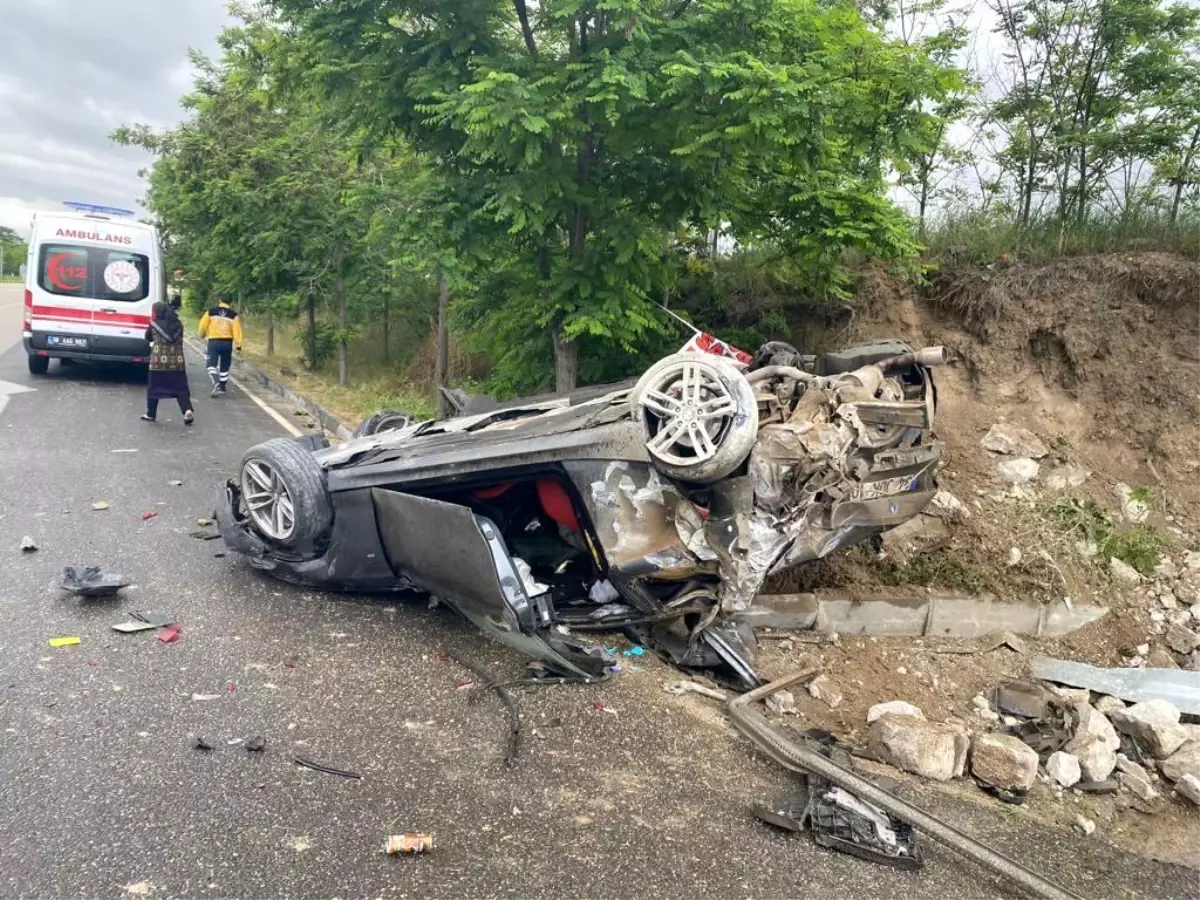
point(168, 367)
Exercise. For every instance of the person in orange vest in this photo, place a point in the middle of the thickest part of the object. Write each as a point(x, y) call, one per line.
point(223, 330)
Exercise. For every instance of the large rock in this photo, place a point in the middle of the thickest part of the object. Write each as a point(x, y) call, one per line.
point(893, 707)
point(924, 748)
point(1182, 640)
point(1154, 724)
point(823, 689)
point(1138, 786)
point(1189, 786)
point(946, 506)
point(1003, 761)
point(1184, 761)
point(1094, 743)
point(1064, 768)
point(1132, 509)
point(1019, 471)
point(1013, 440)
point(1066, 477)
point(1123, 572)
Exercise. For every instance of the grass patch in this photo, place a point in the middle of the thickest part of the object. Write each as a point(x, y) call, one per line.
point(938, 569)
point(1141, 546)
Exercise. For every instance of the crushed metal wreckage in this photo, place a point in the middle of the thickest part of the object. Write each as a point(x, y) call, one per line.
point(658, 506)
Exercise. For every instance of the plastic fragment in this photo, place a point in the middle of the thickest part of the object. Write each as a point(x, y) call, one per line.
point(28, 545)
point(65, 641)
point(408, 844)
point(204, 523)
point(170, 634)
point(92, 581)
point(201, 744)
point(175, 482)
point(147, 516)
point(100, 505)
point(206, 696)
point(256, 744)
point(634, 651)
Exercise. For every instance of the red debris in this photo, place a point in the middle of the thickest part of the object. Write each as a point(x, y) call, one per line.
point(598, 705)
point(231, 687)
point(170, 634)
point(291, 664)
point(147, 516)
point(464, 686)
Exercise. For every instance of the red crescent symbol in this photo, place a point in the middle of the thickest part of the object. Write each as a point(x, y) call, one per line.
point(52, 272)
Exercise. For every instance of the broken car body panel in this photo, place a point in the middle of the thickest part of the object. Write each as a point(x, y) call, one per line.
point(517, 515)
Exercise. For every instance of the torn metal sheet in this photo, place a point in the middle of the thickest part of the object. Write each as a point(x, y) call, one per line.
point(1177, 686)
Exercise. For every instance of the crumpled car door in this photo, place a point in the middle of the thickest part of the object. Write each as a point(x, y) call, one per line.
point(460, 558)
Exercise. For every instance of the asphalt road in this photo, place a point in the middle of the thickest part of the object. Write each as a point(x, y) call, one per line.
point(620, 790)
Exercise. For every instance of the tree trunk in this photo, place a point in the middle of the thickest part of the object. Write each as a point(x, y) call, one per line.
point(923, 205)
point(312, 331)
point(343, 350)
point(441, 364)
point(566, 360)
point(270, 327)
point(387, 318)
point(1182, 179)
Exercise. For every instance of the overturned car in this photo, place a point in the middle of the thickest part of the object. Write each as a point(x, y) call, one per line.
point(658, 507)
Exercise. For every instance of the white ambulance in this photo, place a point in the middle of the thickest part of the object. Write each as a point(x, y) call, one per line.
point(91, 279)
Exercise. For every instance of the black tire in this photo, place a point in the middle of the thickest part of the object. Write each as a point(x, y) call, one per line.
point(304, 481)
point(384, 420)
point(38, 365)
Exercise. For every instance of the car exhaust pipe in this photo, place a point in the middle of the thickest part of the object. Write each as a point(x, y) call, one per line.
point(927, 356)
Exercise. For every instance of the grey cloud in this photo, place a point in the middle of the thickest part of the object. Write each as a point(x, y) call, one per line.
point(71, 71)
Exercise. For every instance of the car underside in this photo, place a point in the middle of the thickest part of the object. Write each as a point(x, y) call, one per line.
point(658, 507)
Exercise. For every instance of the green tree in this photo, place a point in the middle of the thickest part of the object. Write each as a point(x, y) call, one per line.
point(590, 129)
point(12, 251)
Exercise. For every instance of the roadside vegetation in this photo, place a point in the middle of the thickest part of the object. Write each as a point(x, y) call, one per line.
point(504, 196)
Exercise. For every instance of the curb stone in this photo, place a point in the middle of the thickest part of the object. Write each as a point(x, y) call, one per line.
point(243, 369)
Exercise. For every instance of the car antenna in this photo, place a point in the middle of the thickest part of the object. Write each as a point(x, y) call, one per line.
point(681, 320)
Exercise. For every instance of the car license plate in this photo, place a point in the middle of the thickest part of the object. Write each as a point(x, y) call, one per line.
point(886, 487)
point(58, 340)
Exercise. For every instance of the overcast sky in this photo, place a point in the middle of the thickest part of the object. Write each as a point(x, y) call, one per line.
point(70, 72)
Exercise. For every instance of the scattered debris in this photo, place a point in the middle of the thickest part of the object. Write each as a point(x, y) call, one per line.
point(256, 744)
point(806, 761)
point(201, 744)
point(1064, 768)
point(1123, 572)
point(893, 707)
point(1014, 557)
point(1109, 705)
point(318, 767)
point(823, 689)
point(147, 516)
point(1154, 725)
point(1022, 698)
point(782, 703)
point(204, 523)
point(101, 505)
point(175, 482)
point(1019, 471)
point(206, 696)
point(512, 744)
point(1180, 687)
point(205, 535)
point(92, 581)
point(1004, 762)
point(634, 651)
point(140, 888)
point(408, 844)
point(170, 634)
point(1013, 440)
point(1085, 825)
point(66, 641)
point(143, 621)
point(679, 688)
point(929, 749)
point(946, 506)
point(28, 544)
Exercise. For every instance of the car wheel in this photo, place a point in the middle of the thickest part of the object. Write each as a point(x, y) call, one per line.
point(698, 414)
point(384, 420)
point(283, 492)
point(38, 365)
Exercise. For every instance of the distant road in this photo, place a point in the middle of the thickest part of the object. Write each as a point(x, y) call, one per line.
point(10, 315)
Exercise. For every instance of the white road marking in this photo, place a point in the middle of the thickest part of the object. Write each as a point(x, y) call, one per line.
point(258, 401)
